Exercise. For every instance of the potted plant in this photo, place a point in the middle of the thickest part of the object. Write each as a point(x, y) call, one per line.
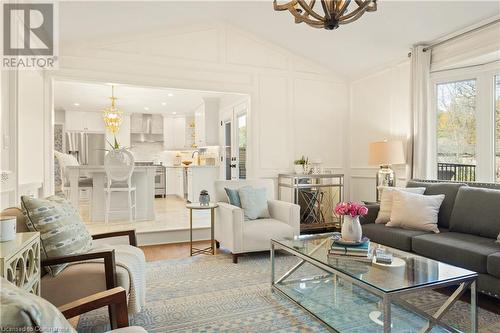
point(301, 165)
point(351, 227)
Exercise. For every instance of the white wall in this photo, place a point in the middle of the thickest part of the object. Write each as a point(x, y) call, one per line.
point(31, 135)
point(380, 109)
point(297, 107)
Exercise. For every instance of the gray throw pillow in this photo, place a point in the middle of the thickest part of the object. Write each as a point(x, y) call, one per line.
point(25, 312)
point(254, 202)
point(476, 212)
point(62, 231)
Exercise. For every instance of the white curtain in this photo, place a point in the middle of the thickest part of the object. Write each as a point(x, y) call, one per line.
point(422, 156)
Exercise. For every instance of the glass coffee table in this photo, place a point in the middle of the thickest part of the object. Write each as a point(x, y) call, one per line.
point(349, 295)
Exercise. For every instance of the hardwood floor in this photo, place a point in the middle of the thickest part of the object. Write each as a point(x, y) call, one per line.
point(173, 251)
point(181, 250)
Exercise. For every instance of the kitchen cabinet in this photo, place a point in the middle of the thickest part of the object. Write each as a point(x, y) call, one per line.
point(201, 178)
point(84, 121)
point(136, 123)
point(174, 134)
point(175, 181)
point(207, 123)
point(157, 124)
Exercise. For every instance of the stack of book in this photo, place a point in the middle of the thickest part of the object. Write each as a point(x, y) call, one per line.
point(359, 252)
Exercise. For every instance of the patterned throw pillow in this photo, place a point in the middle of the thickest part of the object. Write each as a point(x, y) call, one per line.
point(62, 231)
point(25, 312)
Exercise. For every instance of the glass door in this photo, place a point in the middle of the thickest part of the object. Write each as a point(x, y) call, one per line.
point(235, 142)
point(227, 149)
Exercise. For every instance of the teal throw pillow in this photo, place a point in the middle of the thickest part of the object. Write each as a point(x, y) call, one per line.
point(254, 202)
point(233, 197)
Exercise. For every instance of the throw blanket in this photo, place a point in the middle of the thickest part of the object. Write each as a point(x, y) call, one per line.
point(132, 259)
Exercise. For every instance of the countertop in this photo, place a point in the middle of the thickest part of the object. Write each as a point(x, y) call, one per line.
point(191, 166)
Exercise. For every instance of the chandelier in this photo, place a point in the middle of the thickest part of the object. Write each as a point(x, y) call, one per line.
point(334, 12)
point(112, 115)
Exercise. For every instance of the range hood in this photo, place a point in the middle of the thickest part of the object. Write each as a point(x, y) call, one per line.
point(143, 129)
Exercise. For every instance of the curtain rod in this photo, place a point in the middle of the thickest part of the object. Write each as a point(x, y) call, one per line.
point(430, 47)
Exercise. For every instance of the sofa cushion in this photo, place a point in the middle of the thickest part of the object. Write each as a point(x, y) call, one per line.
point(493, 264)
point(257, 234)
point(62, 231)
point(476, 212)
point(463, 250)
point(450, 192)
point(393, 237)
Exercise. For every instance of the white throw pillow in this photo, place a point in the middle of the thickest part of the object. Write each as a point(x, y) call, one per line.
point(386, 198)
point(498, 239)
point(415, 211)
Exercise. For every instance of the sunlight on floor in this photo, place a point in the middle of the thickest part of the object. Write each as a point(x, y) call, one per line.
point(171, 214)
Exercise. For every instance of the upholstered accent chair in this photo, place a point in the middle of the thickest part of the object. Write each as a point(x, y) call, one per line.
point(240, 236)
point(92, 272)
point(22, 311)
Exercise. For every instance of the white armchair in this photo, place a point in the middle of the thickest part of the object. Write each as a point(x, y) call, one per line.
point(240, 236)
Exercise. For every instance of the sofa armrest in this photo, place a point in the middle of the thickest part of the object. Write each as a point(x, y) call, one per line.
point(115, 299)
point(229, 226)
point(373, 209)
point(132, 238)
point(286, 212)
point(109, 263)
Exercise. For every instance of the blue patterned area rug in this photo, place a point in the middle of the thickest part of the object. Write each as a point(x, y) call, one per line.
point(211, 294)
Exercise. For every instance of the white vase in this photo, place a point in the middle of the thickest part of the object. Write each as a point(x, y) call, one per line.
point(299, 169)
point(351, 229)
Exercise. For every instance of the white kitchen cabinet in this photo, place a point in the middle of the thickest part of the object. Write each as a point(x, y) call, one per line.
point(174, 133)
point(136, 123)
point(84, 121)
point(157, 124)
point(172, 183)
point(201, 178)
point(207, 123)
point(199, 120)
point(179, 173)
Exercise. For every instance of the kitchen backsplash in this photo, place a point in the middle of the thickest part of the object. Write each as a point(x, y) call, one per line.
point(147, 151)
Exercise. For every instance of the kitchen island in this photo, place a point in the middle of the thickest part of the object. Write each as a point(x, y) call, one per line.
point(142, 179)
point(187, 181)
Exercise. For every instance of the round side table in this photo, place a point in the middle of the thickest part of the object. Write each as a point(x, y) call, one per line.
point(197, 206)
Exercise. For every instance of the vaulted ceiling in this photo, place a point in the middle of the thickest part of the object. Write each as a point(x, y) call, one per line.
point(375, 40)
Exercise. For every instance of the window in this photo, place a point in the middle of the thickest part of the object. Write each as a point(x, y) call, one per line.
point(456, 130)
point(242, 145)
point(466, 124)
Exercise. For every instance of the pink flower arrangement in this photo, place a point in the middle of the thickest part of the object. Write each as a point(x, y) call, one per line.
point(351, 208)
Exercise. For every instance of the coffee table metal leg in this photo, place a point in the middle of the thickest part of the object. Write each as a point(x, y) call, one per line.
point(272, 263)
point(387, 314)
point(473, 304)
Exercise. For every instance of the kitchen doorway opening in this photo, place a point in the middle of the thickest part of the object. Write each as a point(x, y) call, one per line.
point(182, 142)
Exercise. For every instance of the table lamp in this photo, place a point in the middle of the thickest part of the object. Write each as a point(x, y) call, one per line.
point(384, 154)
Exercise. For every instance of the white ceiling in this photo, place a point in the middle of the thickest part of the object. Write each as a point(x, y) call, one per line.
point(93, 97)
point(375, 40)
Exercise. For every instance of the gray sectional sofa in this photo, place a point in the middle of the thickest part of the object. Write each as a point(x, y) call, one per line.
point(469, 221)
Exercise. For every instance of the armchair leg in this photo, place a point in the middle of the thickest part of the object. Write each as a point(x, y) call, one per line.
point(217, 245)
point(235, 258)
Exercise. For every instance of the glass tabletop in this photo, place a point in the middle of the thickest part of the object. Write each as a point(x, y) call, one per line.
point(408, 270)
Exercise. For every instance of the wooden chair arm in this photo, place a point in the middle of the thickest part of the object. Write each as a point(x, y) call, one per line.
point(109, 263)
point(132, 238)
point(115, 299)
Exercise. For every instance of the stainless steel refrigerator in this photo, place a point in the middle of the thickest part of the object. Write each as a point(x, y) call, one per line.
point(88, 148)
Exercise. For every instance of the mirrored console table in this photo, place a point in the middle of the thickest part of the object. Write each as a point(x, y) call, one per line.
point(317, 195)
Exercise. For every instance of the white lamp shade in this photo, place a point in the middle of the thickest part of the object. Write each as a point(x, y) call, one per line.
point(386, 153)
